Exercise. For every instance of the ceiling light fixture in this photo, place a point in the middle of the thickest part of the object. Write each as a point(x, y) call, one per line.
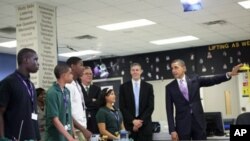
point(174, 40)
point(79, 53)
point(191, 5)
point(126, 25)
point(9, 44)
point(245, 4)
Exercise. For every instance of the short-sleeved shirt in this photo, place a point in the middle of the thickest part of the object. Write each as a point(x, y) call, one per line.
point(111, 118)
point(57, 105)
point(18, 96)
point(78, 104)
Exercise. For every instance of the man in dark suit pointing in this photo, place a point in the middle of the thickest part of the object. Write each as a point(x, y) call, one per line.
point(136, 101)
point(184, 94)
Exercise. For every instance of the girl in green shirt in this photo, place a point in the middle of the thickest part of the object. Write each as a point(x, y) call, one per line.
point(109, 118)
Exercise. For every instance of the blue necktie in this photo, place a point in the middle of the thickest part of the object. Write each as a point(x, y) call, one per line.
point(136, 96)
point(184, 89)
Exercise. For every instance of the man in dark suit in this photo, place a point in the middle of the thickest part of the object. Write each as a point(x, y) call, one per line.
point(91, 94)
point(184, 94)
point(136, 101)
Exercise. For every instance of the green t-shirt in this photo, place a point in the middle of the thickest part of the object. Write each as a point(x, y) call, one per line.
point(111, 118)
point(57, 105)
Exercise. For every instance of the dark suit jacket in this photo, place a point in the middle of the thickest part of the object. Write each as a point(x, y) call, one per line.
point(92, 104)
point(94, 93)
point(146, 105)
point(174, 97)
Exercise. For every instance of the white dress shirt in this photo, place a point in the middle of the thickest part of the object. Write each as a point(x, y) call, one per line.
point(77, 103)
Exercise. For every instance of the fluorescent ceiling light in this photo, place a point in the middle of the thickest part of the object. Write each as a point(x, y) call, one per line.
point(126, 25)
point(9, 44)
point(245, 4)
point(174, 40)
point(79, 53)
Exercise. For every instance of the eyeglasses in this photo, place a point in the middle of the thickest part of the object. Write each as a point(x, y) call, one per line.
point(87, 74)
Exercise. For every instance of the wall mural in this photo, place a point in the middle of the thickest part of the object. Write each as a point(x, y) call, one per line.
point(205, 60)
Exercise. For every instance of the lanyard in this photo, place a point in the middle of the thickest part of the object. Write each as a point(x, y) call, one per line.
point(116, 115)
point(80, 91)
point(66, 102)
point(29, 88)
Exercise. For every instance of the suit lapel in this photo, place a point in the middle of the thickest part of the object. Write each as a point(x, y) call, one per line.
point(178, 90)
point(141, 96)
point(131, 94)
point(84, 91)
point(90, 91)
point(189, 88)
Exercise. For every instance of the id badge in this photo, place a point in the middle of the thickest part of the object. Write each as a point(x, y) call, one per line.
point(66, 127)
point(69, 127)
point(34, 116)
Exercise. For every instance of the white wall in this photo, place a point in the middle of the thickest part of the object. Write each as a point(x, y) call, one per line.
point(159, 92)
point(214, 98)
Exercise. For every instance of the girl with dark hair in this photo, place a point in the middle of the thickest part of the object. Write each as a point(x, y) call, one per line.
point(40, 110)
point(109, 118)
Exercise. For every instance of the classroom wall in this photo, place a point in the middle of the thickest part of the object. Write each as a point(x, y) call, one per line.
point(214, 98)
point(7, 64)
point(204, 60)
point(207, 60)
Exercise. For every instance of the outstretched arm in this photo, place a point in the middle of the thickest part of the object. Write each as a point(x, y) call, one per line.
point(234, 70)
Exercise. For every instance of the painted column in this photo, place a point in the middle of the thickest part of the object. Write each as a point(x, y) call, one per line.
point(36, 29)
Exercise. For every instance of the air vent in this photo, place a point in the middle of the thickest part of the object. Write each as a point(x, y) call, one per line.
point(219, 22)
point(8, 30)
point(85, 37)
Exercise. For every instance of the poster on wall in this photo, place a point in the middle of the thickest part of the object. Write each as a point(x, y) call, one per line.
point(244, 88)
point(246, 80)
point(245, 85)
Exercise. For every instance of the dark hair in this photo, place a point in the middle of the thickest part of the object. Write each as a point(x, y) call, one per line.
point(60, 69)
point(73, 61)
point(105, 92)
point(23, 54)
point(181, 62)
point(39, 91)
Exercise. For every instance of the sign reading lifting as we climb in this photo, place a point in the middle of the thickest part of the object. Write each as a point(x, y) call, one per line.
point(36, 29)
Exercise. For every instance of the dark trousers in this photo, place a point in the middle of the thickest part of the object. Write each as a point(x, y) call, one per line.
point(137, 136)
point(197, 133)
point(91, 122)
point(145, 133)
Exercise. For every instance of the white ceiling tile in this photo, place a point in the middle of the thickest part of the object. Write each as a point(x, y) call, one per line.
point(80, 17)
point(88, 5)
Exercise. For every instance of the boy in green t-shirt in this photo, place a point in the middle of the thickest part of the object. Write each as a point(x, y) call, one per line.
point(58, 107)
